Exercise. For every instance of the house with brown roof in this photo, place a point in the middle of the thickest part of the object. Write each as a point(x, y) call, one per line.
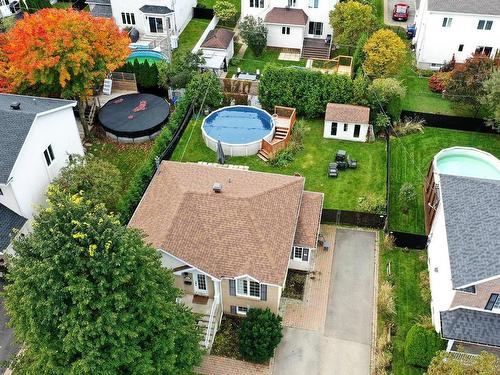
point(229, 236)
point(347, 122)
point(218, 49)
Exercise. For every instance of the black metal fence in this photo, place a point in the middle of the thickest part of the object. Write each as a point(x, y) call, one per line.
point(167, 154)
point(451, 122)
point(409, 240)
point(360, 219)
point(203, 13)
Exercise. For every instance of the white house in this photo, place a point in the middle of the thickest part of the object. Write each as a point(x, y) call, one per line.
point(296, 24)
point(150, 17)
point(36, 137)
point(460, 28)
point(462, 212)
point(347, 122)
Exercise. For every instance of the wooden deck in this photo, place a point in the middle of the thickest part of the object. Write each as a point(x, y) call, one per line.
point(284, 118)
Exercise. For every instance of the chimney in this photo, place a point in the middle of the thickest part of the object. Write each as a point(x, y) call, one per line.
point(217, 187)
point(16, 106)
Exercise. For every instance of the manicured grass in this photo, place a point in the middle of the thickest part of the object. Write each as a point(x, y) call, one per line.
point(210, 4)
point(312, 162)
point(410, 158)
point(191, 34)
point(127, 158)
point(250, 63)
point(405, 268)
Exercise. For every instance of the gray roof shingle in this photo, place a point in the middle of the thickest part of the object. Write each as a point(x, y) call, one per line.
point(15, 125)
point(9, 220)
point(155, 9)
point(475, 326)
point(489, 7)
point(101, 10)
point(472, 217)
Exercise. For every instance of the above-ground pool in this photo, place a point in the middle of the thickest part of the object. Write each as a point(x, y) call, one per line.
point(240, 129)
point(468, 162)
point(144, 54)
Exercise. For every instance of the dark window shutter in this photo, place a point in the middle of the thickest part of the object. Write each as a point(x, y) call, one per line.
point(232, 287)
point(263, 292)
point(291, 253)
point(305, 254)
point(233, 310)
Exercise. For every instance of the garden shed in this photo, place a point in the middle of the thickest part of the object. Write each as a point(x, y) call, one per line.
point(347, 122)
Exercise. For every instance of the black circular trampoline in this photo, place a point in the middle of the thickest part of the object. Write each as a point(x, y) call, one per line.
point(134, 117)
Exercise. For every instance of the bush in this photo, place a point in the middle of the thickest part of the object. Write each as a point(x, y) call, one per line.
point(438, 81)
point(407, 195)
point(425, 287)
point(388, 94)
point(385, 302)
point(253, 31)
point(284, 157)
point(259, 334)
point(371, 203)
point(421, 345)
point(409, 126)
point(287, 86)
point(225, 10)
point(389, 243)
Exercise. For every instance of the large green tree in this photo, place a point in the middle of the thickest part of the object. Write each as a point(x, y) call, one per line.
point(204, 89)
point(253, 31)
point(182, 69)
point(87, 296)
point(446, 364)
point(491, 99)
point(350, 20)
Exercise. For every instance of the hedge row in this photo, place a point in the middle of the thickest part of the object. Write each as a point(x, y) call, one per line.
point(421, 345)
point(133, 195)
point(306, 90)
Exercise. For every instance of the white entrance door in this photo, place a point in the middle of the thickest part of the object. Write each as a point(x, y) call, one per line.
point(200, 284)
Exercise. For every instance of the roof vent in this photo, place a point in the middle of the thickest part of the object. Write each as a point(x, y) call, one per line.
point(217, 187)
point(15, 106)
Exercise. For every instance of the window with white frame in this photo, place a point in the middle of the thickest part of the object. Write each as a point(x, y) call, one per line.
point(247, 288)
point(484, 25)
point(128, 18)
point(256, 3)
point(49, 155)
point(292, 3)
point(300, 253)
point(313, 3)
point(447, 22)
point(285, 30)
point(240, 310)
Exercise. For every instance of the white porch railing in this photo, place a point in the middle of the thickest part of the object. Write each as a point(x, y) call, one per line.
point(213, 323)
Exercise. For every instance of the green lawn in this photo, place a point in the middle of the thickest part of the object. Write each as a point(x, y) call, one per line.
point(250, 62)
point(127, 158)
point(191, 34)
point(410, 158)
point(405, 269)
point(210, 4)
point(311, 162)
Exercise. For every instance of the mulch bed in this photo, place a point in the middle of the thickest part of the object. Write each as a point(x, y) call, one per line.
point(226, 342)
point(295, 284)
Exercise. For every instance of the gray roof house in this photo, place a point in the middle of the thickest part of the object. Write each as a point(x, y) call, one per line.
point(37, 135)
point(462, 206)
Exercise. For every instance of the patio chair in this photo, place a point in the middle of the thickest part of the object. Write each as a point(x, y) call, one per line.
point(342, 165)
point(341, 155)
point(332, 170)
point(352, 163)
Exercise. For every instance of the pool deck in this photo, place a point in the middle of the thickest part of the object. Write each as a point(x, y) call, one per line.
point(282, 122)
point(103, 99)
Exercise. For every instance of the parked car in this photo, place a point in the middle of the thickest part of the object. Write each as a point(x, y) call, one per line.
point(400, 12)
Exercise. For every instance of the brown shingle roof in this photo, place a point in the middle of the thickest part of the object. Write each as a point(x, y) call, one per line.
point(286, 16)
point(309, 220)
point(347, 113)
point(248, 228)
point(218, 38)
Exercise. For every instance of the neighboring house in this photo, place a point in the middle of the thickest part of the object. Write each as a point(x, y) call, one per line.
point(218, 49)
point(296, 24)
point(460, 28)
point(347, 122)
point(36, 137)
point(462, 211)
point(150, 17)
point(229, 235)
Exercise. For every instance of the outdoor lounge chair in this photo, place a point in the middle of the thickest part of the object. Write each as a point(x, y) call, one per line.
point(352, 163)
point(332, 170)
point(341, 155)
point(342, 165)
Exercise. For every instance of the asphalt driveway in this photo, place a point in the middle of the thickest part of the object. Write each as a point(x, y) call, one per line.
point(344, 345)
point(7, 349)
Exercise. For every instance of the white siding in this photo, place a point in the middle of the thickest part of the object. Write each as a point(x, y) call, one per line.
point(275, 38)
point(348, 134)
point(8, 199)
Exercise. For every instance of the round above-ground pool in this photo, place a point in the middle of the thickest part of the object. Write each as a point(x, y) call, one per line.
point(239, 128)
point(134, 118)
point(468, 162)
point(142, 55)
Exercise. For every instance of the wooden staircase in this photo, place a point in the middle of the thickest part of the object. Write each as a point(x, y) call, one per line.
point(315, 49)
point(284, 119)
point(280, 134)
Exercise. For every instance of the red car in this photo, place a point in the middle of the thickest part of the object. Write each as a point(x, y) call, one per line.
point(400, 12)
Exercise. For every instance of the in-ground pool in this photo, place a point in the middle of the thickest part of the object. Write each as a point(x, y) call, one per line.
point(239, 128)
point(144, 54)
point(468, 162)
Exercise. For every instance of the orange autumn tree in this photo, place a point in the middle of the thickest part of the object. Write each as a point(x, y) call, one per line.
point(60, 53)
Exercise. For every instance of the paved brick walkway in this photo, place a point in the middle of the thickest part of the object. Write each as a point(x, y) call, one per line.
point(214, 365)
point(311, 312)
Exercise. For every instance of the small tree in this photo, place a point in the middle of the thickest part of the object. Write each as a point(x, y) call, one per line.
point(388, 94)
point(421, 345)
point(407, 195)
point(96, 179)
point(491, 99)
point(446, 364)
point(225, 10)
point(204, 89)
point(183, 68)
point(385, 53)
point(254, 34)
point(32, 6)
point(87, 296)
point(259, 334)
point(466, 84)
point(350, 20)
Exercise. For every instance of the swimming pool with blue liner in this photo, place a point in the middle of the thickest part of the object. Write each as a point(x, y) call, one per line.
point(240, 129)
point(144, 54)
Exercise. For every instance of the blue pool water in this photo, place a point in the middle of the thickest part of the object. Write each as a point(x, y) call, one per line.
point(142, 55)
point(238, 124)
point(467, 163)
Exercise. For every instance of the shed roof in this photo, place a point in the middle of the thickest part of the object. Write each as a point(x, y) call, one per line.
point(219, 38)
point(347, 113)
point(286, 16)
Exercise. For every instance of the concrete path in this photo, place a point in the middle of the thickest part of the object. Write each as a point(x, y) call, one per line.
point(344, 344)
point(389, 6)
point(7, 349)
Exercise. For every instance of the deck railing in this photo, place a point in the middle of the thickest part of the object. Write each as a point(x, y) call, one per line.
point(271, 148)
point(213, 323)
